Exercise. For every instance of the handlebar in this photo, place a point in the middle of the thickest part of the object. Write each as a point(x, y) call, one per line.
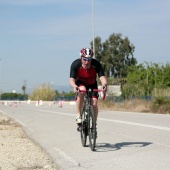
point(94, 90)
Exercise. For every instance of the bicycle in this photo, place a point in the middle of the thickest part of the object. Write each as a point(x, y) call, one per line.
point(88, 124)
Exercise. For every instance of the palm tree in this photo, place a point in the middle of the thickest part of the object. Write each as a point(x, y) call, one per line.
point(23, 89)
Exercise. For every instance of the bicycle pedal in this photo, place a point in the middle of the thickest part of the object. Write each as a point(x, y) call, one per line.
point(79, 128)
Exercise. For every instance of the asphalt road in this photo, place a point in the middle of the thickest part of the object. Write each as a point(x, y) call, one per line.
point(126, 141)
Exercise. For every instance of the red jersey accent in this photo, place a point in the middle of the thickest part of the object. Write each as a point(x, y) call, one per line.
point(87, 76)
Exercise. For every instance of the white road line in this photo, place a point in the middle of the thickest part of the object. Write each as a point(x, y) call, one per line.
point(136, 124)
point(66, 157)
point(102, 119)
point(61, 113)
point(117, 121)
point(13, 118)
point(21, 123)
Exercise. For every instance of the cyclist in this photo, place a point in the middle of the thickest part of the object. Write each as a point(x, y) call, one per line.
point(83, 74)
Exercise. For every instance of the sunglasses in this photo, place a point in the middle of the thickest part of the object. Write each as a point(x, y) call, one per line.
point(86, 59)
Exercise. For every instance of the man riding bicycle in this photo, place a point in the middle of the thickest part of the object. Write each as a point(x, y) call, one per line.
point(83, 74)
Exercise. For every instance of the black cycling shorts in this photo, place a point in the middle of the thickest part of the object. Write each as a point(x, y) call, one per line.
point(93, 86)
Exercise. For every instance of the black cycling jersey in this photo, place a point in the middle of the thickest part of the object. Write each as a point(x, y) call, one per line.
point(86, 76)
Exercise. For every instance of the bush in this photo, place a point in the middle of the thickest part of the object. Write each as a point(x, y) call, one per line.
point(14, 96)
point(160, 104)
point(43, 92)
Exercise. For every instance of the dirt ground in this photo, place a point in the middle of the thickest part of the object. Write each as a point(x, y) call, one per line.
point(18, 152)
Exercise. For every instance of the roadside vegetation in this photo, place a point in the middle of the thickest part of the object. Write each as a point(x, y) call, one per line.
point(144, 87)
point(14, 96)
point(43, 92)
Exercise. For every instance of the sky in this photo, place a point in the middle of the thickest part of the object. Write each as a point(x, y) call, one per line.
point(39, 39)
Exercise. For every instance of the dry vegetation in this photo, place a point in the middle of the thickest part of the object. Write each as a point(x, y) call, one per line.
point(161, 106)
point(160, 103)
point(135, 105)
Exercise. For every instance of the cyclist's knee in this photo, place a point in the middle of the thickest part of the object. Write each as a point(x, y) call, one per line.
point(94, 103)
point(81, 96)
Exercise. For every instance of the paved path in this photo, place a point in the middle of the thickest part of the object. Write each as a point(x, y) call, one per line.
point(133, 141)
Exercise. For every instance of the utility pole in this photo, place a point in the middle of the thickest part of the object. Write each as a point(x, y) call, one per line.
point(93, 28)
point(0, 80)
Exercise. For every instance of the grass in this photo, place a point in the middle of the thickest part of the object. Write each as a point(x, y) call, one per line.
point(161, 106)
point(160, 103)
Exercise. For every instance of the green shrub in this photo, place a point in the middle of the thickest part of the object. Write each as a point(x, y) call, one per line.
point(14, 96)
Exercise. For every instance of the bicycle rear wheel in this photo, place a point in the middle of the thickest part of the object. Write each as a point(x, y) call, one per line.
point(84, 131)
point(92, 129)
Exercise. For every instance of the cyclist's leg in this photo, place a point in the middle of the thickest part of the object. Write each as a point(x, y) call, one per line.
point(95, 100)
point(95, 107)
point(79, 102)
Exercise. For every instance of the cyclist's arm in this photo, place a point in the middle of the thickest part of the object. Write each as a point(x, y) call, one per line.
point(73, 72)
point(73, 84)
point(104, 82)
point(100, 72)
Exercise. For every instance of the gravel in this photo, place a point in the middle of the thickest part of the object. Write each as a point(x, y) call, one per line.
point(18, 152)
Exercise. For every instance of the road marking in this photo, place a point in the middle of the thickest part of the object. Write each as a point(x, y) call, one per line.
point(21, 123)
point(61, 113)
point(117, 121)
point(13, 118)
point(66, 157)
point(136, 124)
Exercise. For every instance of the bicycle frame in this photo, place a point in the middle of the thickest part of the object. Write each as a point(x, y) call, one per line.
point(88, 126)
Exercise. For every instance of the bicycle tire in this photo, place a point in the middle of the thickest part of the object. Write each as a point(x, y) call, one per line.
point(92, 129)
point(84, 129)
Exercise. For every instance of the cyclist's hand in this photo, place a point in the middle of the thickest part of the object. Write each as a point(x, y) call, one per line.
point(75, 89)
point(105, 88)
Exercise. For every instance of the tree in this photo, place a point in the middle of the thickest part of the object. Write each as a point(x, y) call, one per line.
point(115, 54)
point(144, 80)
point(14, 96)
point(98, 48)
point(23, 89)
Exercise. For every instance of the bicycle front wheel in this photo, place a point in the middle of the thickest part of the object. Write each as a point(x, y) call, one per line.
point(92, 129)
point(84, 130)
